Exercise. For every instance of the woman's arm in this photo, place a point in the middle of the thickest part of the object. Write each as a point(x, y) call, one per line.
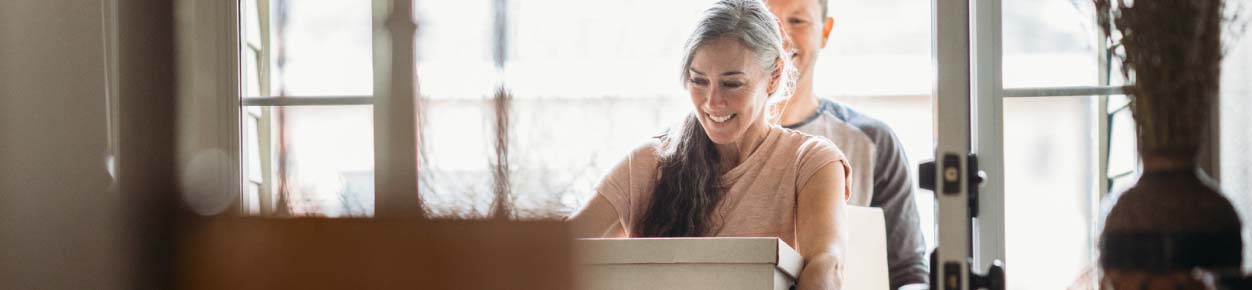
point(597, 219)
point(821, 230)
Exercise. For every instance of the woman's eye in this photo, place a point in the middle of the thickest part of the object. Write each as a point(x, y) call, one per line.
point(732, 85)
point(699, 82)
point(796, 21)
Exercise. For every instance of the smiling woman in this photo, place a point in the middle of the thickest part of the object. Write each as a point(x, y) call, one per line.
point(727, 171)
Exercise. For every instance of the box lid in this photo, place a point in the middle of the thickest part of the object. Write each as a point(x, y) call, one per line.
point(720, 250)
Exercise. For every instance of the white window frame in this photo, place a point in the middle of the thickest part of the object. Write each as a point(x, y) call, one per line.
point(211, 100)
point(263, 118)
point(967, 43)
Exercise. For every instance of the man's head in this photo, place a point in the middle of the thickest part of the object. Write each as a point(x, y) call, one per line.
point(807, 27)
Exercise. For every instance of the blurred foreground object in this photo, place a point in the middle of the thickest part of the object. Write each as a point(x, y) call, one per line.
point(1173, 221)
point(254, 253)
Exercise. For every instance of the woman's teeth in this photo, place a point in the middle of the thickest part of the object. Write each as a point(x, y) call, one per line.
point(720, 119)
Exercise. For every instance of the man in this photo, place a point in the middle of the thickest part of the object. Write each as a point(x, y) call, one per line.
point(880, 174)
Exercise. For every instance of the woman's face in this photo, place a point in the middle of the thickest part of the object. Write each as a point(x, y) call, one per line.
point(729, 88)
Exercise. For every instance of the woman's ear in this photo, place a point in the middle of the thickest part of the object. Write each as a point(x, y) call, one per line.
point(775, 77)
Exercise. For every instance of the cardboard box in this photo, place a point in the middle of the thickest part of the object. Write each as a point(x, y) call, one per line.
point(687, 263)
point(728, 263)
point(866, 260)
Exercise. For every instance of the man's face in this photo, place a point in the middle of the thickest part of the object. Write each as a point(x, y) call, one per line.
point(806, 31)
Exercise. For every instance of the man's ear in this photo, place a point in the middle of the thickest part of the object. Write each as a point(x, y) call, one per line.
point(827, 26)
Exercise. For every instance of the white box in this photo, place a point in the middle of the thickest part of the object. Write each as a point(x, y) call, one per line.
point(729, 263)
point(865, 263)
point(687, 263)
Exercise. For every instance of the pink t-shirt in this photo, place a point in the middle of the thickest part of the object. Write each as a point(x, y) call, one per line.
point(760, 197)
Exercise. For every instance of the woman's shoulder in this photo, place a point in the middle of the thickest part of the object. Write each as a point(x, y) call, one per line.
point(807, 146)
point(644, 157)
point(812, 154)
point(651, 148)
point(640, 164)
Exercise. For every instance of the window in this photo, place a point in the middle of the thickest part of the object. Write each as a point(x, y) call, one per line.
point(1050, 142)
point(599, 84)
point(587, 87)
point(306, 69)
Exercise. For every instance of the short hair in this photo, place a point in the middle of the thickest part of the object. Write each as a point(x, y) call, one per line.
point(825, 9)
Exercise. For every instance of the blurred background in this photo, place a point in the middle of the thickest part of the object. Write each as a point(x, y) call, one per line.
point(590, 81)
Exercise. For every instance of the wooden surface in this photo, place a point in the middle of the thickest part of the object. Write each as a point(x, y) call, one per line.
point(242, 253)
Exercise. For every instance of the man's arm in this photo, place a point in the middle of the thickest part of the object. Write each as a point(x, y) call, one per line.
point(893, 192)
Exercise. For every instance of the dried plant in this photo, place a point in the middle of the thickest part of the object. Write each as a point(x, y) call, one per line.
point(1171, 52)
point(1170, 222)
point(502, 206)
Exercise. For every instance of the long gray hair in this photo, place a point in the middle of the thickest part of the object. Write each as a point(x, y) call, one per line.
point(688, 191)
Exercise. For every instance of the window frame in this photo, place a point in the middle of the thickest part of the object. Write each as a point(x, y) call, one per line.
point(262, 116)
point(978, 27)
point(213, 103)
point(985, 36)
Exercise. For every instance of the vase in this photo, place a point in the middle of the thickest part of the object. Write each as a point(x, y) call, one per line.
point(1172, 223)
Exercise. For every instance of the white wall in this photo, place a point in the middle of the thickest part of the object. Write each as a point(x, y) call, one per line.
point(59, 221)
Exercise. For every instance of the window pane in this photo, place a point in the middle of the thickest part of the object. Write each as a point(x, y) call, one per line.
point(454, 44)
point(1048, 153)
point(878, 47)
point(251, 26)
point(878, 61)
point(329, 155)
point(251, 202)
point(594, 135)
point(455, 178)
point(570, 49)
point(322, 47)
point(1236, 135)
point(251, 74)
point(1049, 43)
point(1123, 153)
point(252, 148)
point(912, 119)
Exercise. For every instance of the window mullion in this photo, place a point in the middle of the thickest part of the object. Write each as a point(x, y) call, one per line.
point(1076, 91)
point(308, 101)
point(395, 116)
point(988, 130)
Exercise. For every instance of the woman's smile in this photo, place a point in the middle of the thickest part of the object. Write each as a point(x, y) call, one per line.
point(721, 118)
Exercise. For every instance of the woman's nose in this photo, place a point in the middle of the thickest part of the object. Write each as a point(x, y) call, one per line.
point(715, 99)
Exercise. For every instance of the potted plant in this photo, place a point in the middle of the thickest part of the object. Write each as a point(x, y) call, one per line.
point(1174, 222)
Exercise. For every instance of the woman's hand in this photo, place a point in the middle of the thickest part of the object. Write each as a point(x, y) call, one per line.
point(820, 231)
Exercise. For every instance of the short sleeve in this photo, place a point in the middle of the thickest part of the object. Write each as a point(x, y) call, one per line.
point(814, 155)
point(625, 185)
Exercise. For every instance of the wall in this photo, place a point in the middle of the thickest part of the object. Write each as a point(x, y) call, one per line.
point(60, 224)
point(66, 222)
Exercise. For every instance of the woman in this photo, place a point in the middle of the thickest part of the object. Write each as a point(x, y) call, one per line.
point(727, 171)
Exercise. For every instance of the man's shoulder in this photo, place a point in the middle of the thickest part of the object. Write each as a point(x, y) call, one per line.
point(799, 139)
point(876, 130)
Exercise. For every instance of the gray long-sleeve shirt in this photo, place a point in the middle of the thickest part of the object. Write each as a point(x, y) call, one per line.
point(880, 178)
